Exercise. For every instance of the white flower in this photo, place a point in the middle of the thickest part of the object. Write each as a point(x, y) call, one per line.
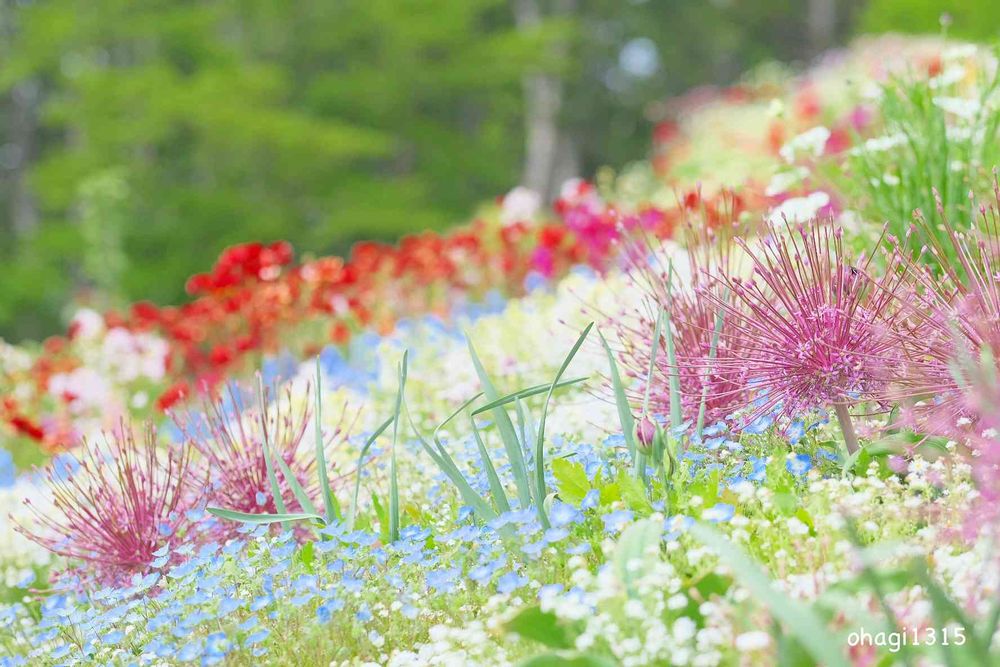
point(684, 629)
point(799, 209)
point(960, 106)
point(811, 142)
point(784, 180)
point(753, 641)
point(87, 323)
point(520, 204)
point(82, 388)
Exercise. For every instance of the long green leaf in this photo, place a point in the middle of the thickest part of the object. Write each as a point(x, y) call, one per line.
point(712, 351)
point(625, 417)
point(540, 491)
point(324, 480)
point(652, 363)
point(449, 468)
point(801, 621)
point(512, 445)
point(675, 380)
point(496, 486)
point(352, 512)
point(524, 393)
point(393, 470)
point(272, 479)
point(300, 494)
point(246, 517)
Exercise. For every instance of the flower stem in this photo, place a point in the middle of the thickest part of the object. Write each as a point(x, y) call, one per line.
point(846, 427)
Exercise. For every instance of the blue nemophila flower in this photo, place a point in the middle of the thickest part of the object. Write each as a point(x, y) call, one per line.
point(712, 444)
point(759, 471)
point(217, 644)
point(718, 513)
point(533, 549)
point(443, 581)
point(191, 651)
point(715, 429)
point(364, 614)
point(591, 500)
point(352, 584)
point(112, 637)
point(510, 582)
point(676, 525)
point(616, 521)
point(828, 454)
point(249, 624)
point(795, 431)
point(553, 535)
point(256, 637)
point(760, 425)
point(798, 464)
point(563, 514)
point(579, 549)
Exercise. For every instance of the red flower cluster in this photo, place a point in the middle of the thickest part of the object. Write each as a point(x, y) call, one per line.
point(257, 299)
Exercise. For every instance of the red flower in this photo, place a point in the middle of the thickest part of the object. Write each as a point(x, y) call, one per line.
point(177, 392)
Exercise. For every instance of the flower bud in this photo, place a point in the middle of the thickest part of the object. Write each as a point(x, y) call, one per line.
point(645, 434)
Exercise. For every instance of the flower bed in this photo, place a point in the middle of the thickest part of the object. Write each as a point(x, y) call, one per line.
point(742, 428)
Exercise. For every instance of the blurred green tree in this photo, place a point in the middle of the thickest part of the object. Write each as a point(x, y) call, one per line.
point(967, 19)
point(140, 137)
point(320, 122)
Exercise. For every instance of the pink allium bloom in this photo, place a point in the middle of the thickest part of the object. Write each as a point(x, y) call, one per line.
point(813, 329)
point(123, 501)
point(231, 446)
point(693, 311)
point(955, 316)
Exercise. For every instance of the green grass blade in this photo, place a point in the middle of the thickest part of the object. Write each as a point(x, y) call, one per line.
point(652, 363)
point(525, 422)
point(802, 622)
point(712, 351)
point(393, 470)
point(524, 393)
point(245, 517)
point(272, 479)
point(329, 507)
point(512, 445)
point(944, 608)
point(540, 491)
point(300, 494)
point(353, 510)
point(496, 486)
point(449, 468)
point(676, 419)
point(621, 401)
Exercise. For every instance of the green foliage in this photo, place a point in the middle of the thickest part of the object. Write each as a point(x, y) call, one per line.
point(968, 19)
point(389, 517)
point(932, 158)
point(229, 121)
point(800, 620)
point(530, 492)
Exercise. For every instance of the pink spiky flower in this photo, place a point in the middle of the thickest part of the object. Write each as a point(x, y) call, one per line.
point(954, 315)
point(814, 330)
point(123, 500)
point(981, 404)
point(693, 311)
point(231, 442)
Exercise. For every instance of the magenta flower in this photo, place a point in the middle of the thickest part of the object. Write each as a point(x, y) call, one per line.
point(954, 316)
point(814, 331)
point(693, 311)
point(231, 442)
point(123, 501)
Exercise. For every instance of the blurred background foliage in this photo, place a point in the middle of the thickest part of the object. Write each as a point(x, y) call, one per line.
point(140, 137)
